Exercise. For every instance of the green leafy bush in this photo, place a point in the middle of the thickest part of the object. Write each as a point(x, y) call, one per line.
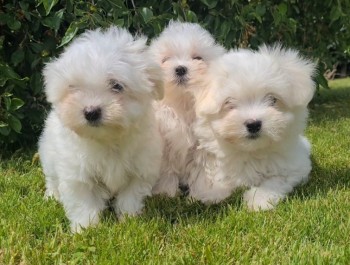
point(34, 31)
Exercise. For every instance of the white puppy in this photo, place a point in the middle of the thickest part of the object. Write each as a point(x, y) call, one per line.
point(101, 139)
point(184, 51)
point(250, 127)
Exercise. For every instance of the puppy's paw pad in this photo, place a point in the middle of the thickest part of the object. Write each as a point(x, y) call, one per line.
point(258, 199)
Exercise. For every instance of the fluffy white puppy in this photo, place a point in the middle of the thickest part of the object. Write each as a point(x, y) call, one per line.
point(101, 140)
point(184, 51)
point(250, 127)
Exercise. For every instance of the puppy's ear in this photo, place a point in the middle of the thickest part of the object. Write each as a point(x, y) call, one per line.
point(207, 98)
point(207, 105)
point(298, 70)
point(155, 76)
point(53, 81)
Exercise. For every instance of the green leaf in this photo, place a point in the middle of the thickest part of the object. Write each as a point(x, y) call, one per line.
point(191, 16)
point(53, 22)
point(2, 38)
point(210, 3)
point(36, 47)
point(292, 25)
point(4, 18)
point(70, 33)
point(5, 130)
point(282, 9)
point(6, 73)
point(7, 102)
point(3, 124)
point(36, 83)
point(15, 123)
point(321, 80)
point(17, 57)
point(16, 103)
point(48, 5)
point(97, 19)
point(147, 14)
point(13, 24)
point(224, 29)
point(25, 6)
point(335, 13)
point(260, 10)
point(119, 22)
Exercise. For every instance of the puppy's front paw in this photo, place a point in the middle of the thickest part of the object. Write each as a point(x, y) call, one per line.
point(78, 226)
point(212, 195)
point(124, 216)
point(169, 191)
point(51, 194)
point(166, 185)
point(210, 189)
point(128, 208)
point(259, 199)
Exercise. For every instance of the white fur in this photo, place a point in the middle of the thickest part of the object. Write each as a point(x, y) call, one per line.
point(191, 46)
point(118, 158)
point(242, 87)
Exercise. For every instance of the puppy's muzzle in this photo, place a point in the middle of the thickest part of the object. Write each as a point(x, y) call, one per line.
point(253, 127)
point(93, 115)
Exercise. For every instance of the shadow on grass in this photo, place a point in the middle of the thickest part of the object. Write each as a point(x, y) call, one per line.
point(322, 180)
point(181, 208)
point(330, 105)
point(21, 160)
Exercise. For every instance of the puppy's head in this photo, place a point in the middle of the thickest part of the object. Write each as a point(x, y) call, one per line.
point(184, 51)
point(258, 99)
point(103, 82)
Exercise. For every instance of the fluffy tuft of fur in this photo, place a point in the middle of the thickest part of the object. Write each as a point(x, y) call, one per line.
point(101, 141)
point(250, 127)
point(184, 51)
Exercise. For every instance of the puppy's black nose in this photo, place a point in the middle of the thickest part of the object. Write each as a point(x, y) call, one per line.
point(253, 126)
point(92, 114)
point(181, 70)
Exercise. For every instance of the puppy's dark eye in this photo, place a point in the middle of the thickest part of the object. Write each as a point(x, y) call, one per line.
point(116, 86)
point(165, 59)
point(229, 104)
point(197, 58)
point(272, 100)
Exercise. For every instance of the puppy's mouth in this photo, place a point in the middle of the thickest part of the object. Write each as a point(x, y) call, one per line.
point(94, 123)
point(181, 81)
point(253, 136)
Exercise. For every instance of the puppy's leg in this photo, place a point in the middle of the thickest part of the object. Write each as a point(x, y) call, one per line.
point(51, 184)
point(205, 181)
point(208, 191)
point(51, 181)
point(270, 192)
point(167, 184)
point(130, 200)
point(81, 202)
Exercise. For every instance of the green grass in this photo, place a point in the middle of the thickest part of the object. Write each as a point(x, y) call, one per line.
point(311, 227)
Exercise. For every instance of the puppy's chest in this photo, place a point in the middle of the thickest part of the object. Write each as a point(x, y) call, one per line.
point(250, 171)
point(108, 170)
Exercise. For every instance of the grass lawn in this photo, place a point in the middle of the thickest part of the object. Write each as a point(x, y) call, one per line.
point(311, 227)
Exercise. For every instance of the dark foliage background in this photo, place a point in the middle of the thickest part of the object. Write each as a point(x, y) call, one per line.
point(31, 32)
